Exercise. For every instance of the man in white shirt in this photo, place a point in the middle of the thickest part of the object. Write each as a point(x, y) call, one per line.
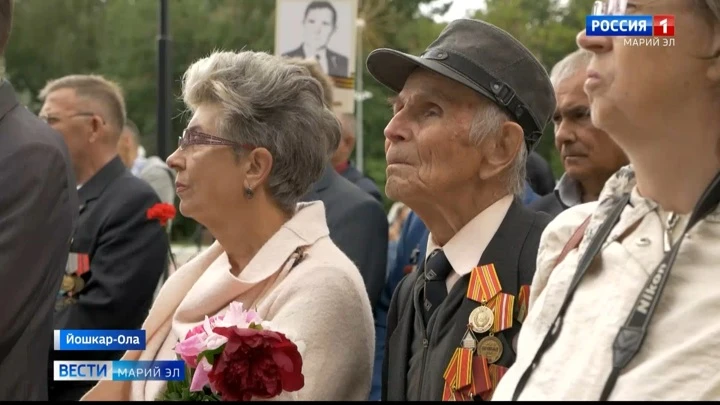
point(456, 150)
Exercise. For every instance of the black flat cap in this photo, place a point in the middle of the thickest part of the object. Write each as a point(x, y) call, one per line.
point(486, 59)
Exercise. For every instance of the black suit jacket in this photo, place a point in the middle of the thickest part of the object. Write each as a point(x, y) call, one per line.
point(358, 226)
point(38, 204)
point(128, 253)
point(337, 64)
point(513, 251)
point(549, 204)
point(539, 174)
point(354, 176)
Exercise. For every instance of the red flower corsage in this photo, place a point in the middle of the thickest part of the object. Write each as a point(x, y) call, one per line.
point(163, 212)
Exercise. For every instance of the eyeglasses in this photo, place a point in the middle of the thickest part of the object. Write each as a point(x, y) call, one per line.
point(49, 119)
point(609, 7)
point(193, 137)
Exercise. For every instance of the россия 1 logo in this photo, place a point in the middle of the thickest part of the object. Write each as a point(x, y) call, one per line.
point(637, 30)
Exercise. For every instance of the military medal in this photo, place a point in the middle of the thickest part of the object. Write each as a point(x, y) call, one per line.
point(77, 263)
point(471, 372)
point(67, 284)
point(469, 341)
point(484, 283)
point(78, 284)
point(496, 374)
point(491, 348)
point(502, 309)
point(481, 319)
point(481, 376)
point(523, 302)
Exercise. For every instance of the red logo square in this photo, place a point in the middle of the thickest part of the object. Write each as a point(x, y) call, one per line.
point(663, 25)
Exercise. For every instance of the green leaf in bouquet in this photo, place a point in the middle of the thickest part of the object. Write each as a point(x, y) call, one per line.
point(210, 354)
point(255, 326)
point(173, 391)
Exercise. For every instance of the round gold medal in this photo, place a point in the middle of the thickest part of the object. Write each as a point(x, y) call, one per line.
point(481, 319)
point(67, 284)
point(491, 348)
point(78, 285)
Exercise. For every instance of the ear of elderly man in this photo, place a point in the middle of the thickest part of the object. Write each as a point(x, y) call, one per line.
point(466, 114)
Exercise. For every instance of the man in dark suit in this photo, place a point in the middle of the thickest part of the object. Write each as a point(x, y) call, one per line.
point(358, 226)
point(456, 149)
point(37, 216)
point(343, 165)
point(319, 25)
point(117, 253)
point(357, 222)
point(539, 174)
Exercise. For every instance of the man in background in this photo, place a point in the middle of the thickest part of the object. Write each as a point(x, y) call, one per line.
point(357, 222)
point(319, 25)
point(152, 169)
point(38, 204)
point(117, 254)
point(588, 154)
point(341, 159)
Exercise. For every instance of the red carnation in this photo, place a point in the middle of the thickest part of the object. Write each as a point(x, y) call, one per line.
point(255, 364)
point(163, 212)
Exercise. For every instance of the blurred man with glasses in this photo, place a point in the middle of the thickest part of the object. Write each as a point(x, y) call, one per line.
point(117, 253)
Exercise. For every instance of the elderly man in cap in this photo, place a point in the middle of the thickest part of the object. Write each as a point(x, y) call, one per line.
point(467, 112)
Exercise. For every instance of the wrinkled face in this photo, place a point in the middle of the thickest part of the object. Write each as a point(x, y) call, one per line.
point(427, 142)
point(209, 176)
point(586, 152)
point(68, 114)
point(631, 87)
point(318, 27)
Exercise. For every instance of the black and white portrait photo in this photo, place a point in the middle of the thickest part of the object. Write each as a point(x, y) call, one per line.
point(319, 29)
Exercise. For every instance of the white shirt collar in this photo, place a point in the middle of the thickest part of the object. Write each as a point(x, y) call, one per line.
point(465, 249)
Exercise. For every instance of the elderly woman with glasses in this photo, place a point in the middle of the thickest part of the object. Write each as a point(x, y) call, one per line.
point(259, 136)
point(625, 301)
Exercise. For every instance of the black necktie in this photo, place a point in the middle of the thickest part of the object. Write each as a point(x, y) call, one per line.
point(437, 268)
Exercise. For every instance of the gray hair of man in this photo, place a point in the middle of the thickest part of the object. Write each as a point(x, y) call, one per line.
point(487, 122)
point(569, 66)
point(269, 103)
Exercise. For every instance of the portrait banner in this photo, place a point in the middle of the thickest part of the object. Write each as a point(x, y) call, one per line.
point(324, 30)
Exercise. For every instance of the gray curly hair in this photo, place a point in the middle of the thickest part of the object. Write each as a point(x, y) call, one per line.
point(270, 103)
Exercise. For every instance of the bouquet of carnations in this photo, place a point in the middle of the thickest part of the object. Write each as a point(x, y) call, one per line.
point(236, 357)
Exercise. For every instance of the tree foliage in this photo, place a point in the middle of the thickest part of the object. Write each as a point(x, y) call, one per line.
point(118, 39)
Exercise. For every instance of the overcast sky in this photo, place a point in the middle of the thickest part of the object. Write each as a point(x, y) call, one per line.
point(459, 9)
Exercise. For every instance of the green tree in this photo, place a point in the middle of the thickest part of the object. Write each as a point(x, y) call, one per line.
point(118, 39)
